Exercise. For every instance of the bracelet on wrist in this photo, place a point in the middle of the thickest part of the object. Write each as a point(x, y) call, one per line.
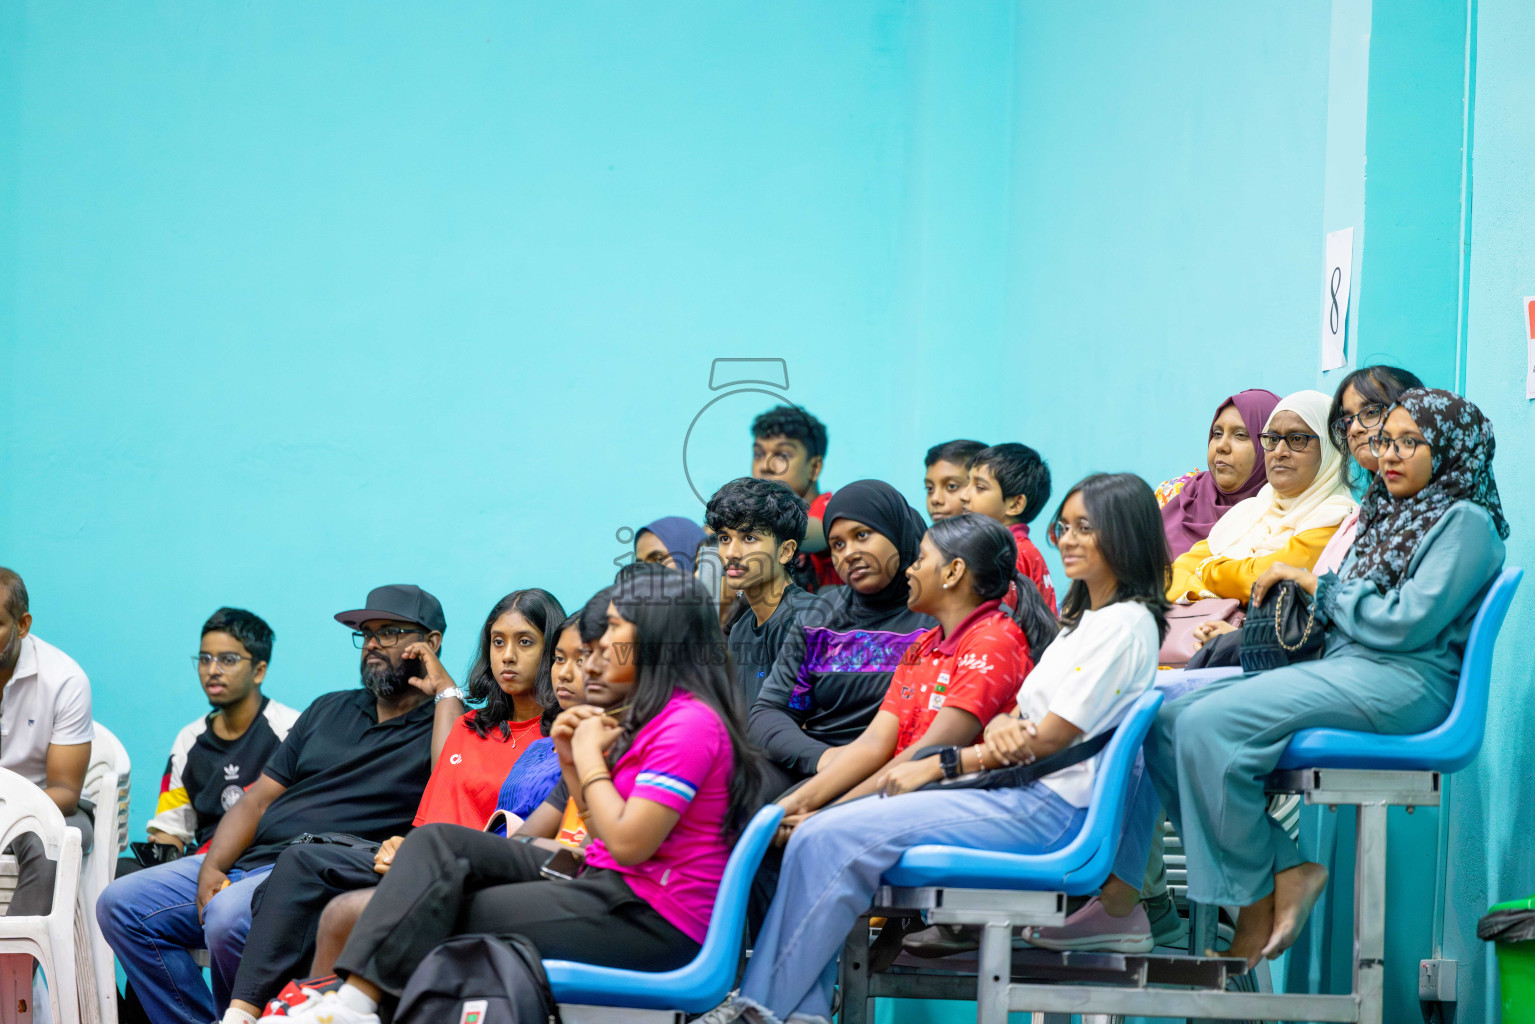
point(594, 777)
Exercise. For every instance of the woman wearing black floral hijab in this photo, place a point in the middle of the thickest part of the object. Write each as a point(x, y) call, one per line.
point(1397, 617)
point(1460, 445)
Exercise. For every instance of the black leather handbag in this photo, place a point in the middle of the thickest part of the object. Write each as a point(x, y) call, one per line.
point(1281, 631)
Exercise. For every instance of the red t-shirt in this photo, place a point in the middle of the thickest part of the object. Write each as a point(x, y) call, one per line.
point(464, 786)
point(1032, 564)
point(979, 669)
point(825, 570)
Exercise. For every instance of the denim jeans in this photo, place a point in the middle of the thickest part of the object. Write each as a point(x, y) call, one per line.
point(150, 920)
point(833, 864)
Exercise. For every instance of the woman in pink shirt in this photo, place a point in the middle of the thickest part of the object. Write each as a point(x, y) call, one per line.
point(667, 786)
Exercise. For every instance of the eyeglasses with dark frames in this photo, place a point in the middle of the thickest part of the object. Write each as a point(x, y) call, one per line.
point(1297, 441)
point(1369, 416)
point(1404, 447)
point(386, 637)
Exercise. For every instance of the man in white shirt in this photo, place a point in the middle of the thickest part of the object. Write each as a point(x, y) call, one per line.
point(45, 737)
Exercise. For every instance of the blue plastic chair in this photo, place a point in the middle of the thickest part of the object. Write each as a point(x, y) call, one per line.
point(702, 984)
point(1449, 746)
point(1078, 867)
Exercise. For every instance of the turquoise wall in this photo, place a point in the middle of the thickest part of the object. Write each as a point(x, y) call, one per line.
point(297, 300)
point(1493, 801)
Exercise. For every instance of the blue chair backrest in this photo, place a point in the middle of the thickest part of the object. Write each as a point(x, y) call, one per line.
point(720, 954)
point(1458, 739)
point(704, 981)
point(1449, 746)
point(1098, 841)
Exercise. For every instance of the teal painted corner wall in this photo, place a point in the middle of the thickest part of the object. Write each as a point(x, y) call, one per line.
point(1493, 801)
point(296, 300)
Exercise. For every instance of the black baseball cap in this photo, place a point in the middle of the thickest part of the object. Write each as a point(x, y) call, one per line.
point(403, 602)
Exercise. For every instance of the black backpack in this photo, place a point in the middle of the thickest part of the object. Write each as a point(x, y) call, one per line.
point(479, 979)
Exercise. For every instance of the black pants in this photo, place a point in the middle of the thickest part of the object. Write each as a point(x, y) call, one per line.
point(35, 873)
point(449, 880)
point(285, 914)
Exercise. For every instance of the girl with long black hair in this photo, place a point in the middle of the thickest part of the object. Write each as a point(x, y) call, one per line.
point(667, 786)
point(1109, 533)
point(511, 682)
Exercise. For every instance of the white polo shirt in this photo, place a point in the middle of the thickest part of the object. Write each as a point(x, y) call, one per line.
point(48, 700)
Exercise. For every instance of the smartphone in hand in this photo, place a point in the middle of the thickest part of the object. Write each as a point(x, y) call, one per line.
point(562, 864)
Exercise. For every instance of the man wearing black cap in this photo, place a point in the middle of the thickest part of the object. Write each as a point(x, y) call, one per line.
point(354, 763)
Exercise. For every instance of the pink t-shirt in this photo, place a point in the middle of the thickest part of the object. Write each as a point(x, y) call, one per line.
point(681, 759)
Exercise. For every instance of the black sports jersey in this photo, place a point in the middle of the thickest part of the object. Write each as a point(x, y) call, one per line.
point(205, 775)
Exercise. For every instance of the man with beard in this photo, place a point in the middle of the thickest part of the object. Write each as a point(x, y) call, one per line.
point(352, 770)
point(46, 721)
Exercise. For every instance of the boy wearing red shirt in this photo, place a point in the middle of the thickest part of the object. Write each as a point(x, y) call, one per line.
point(1011, 483)
point(789, 445)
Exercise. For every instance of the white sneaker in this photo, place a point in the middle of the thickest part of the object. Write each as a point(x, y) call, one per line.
point(328, 1009)
point(725, 1013)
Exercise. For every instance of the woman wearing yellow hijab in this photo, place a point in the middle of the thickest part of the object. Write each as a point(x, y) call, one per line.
point(1290, 520)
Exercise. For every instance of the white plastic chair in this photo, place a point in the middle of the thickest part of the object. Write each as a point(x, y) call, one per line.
point(49, 940)
point(106, 785)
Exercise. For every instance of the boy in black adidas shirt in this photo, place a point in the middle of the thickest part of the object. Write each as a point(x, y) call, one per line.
point(216, 757)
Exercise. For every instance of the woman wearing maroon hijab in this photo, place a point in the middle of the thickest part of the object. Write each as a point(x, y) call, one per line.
point(1193, 503)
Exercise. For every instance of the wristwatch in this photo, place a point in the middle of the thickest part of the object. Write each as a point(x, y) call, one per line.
point(451, 691)
point(948, 760)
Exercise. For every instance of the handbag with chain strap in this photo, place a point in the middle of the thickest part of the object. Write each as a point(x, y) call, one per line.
point(1281, 631)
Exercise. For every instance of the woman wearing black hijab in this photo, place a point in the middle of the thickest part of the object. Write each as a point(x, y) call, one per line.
point(835, 666)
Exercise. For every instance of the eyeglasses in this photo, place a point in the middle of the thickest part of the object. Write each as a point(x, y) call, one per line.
point(1296, 442)
point(1369, 416)
point(1402, 447)
point(1084, 530)
point(228, 659)
point(386, 637)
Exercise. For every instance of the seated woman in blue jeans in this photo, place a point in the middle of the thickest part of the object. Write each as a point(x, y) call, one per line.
point(1397, 617)
point(1110, 537)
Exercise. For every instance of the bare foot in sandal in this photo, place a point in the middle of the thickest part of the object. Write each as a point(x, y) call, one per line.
point(1295, 892)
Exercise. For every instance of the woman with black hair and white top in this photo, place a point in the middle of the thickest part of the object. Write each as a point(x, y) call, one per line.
point(957, 676)
point(1109, 533)
point(667, 788)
